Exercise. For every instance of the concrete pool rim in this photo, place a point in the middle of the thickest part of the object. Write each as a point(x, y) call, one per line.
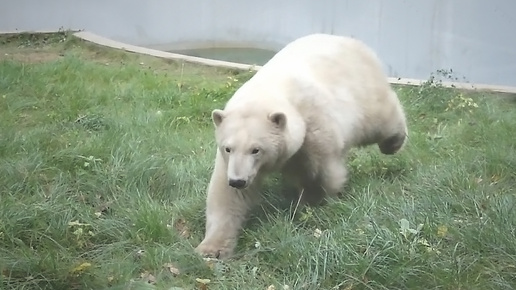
point(103, 41)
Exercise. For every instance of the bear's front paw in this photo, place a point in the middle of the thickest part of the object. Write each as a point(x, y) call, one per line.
point(215, 250)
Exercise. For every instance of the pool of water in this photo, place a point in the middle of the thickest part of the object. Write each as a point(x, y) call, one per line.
point(252, 56)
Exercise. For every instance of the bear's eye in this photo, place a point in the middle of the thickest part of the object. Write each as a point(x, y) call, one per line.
point(255, 151)
point(228, 150)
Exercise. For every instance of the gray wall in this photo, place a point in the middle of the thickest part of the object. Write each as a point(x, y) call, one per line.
point(475, 38)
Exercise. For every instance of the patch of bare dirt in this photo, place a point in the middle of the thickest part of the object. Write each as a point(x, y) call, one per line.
point(32, 47)
point(30, 56)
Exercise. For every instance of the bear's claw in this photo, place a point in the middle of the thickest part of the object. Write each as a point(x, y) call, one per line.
point(214, 251)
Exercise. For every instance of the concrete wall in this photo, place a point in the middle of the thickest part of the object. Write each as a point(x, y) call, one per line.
point(475, 38)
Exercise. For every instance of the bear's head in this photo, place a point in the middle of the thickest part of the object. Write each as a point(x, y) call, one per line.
point(250, 143)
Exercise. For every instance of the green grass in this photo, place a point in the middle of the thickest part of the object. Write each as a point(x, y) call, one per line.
point(105, 157)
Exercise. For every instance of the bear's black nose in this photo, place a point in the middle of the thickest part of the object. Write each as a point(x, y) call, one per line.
point(237, 183)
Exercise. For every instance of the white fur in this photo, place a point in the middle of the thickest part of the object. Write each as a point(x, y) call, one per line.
point(314, 100)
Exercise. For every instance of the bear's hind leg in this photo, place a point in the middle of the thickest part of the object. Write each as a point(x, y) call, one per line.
point(328, 182)
point(394, 131)
point(334, 176)
point(392, 144)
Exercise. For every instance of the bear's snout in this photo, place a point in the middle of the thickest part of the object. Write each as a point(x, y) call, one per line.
point(237, 183)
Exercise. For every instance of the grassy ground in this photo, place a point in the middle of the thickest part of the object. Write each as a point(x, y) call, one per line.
point(105, 157)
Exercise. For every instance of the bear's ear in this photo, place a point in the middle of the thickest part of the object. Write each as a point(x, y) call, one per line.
point(279, 119)
point(217, 116)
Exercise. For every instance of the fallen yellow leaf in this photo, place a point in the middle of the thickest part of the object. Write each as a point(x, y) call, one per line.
point(81, 267)
point(172, 268)
point(77, 223)
point(148, 277)
point(182, 228)
point(442, 231)
point(203, 283)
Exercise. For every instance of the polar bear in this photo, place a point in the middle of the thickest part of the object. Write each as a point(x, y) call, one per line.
point(299, 114)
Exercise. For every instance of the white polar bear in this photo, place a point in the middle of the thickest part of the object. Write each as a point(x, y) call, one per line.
point(300, 114)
